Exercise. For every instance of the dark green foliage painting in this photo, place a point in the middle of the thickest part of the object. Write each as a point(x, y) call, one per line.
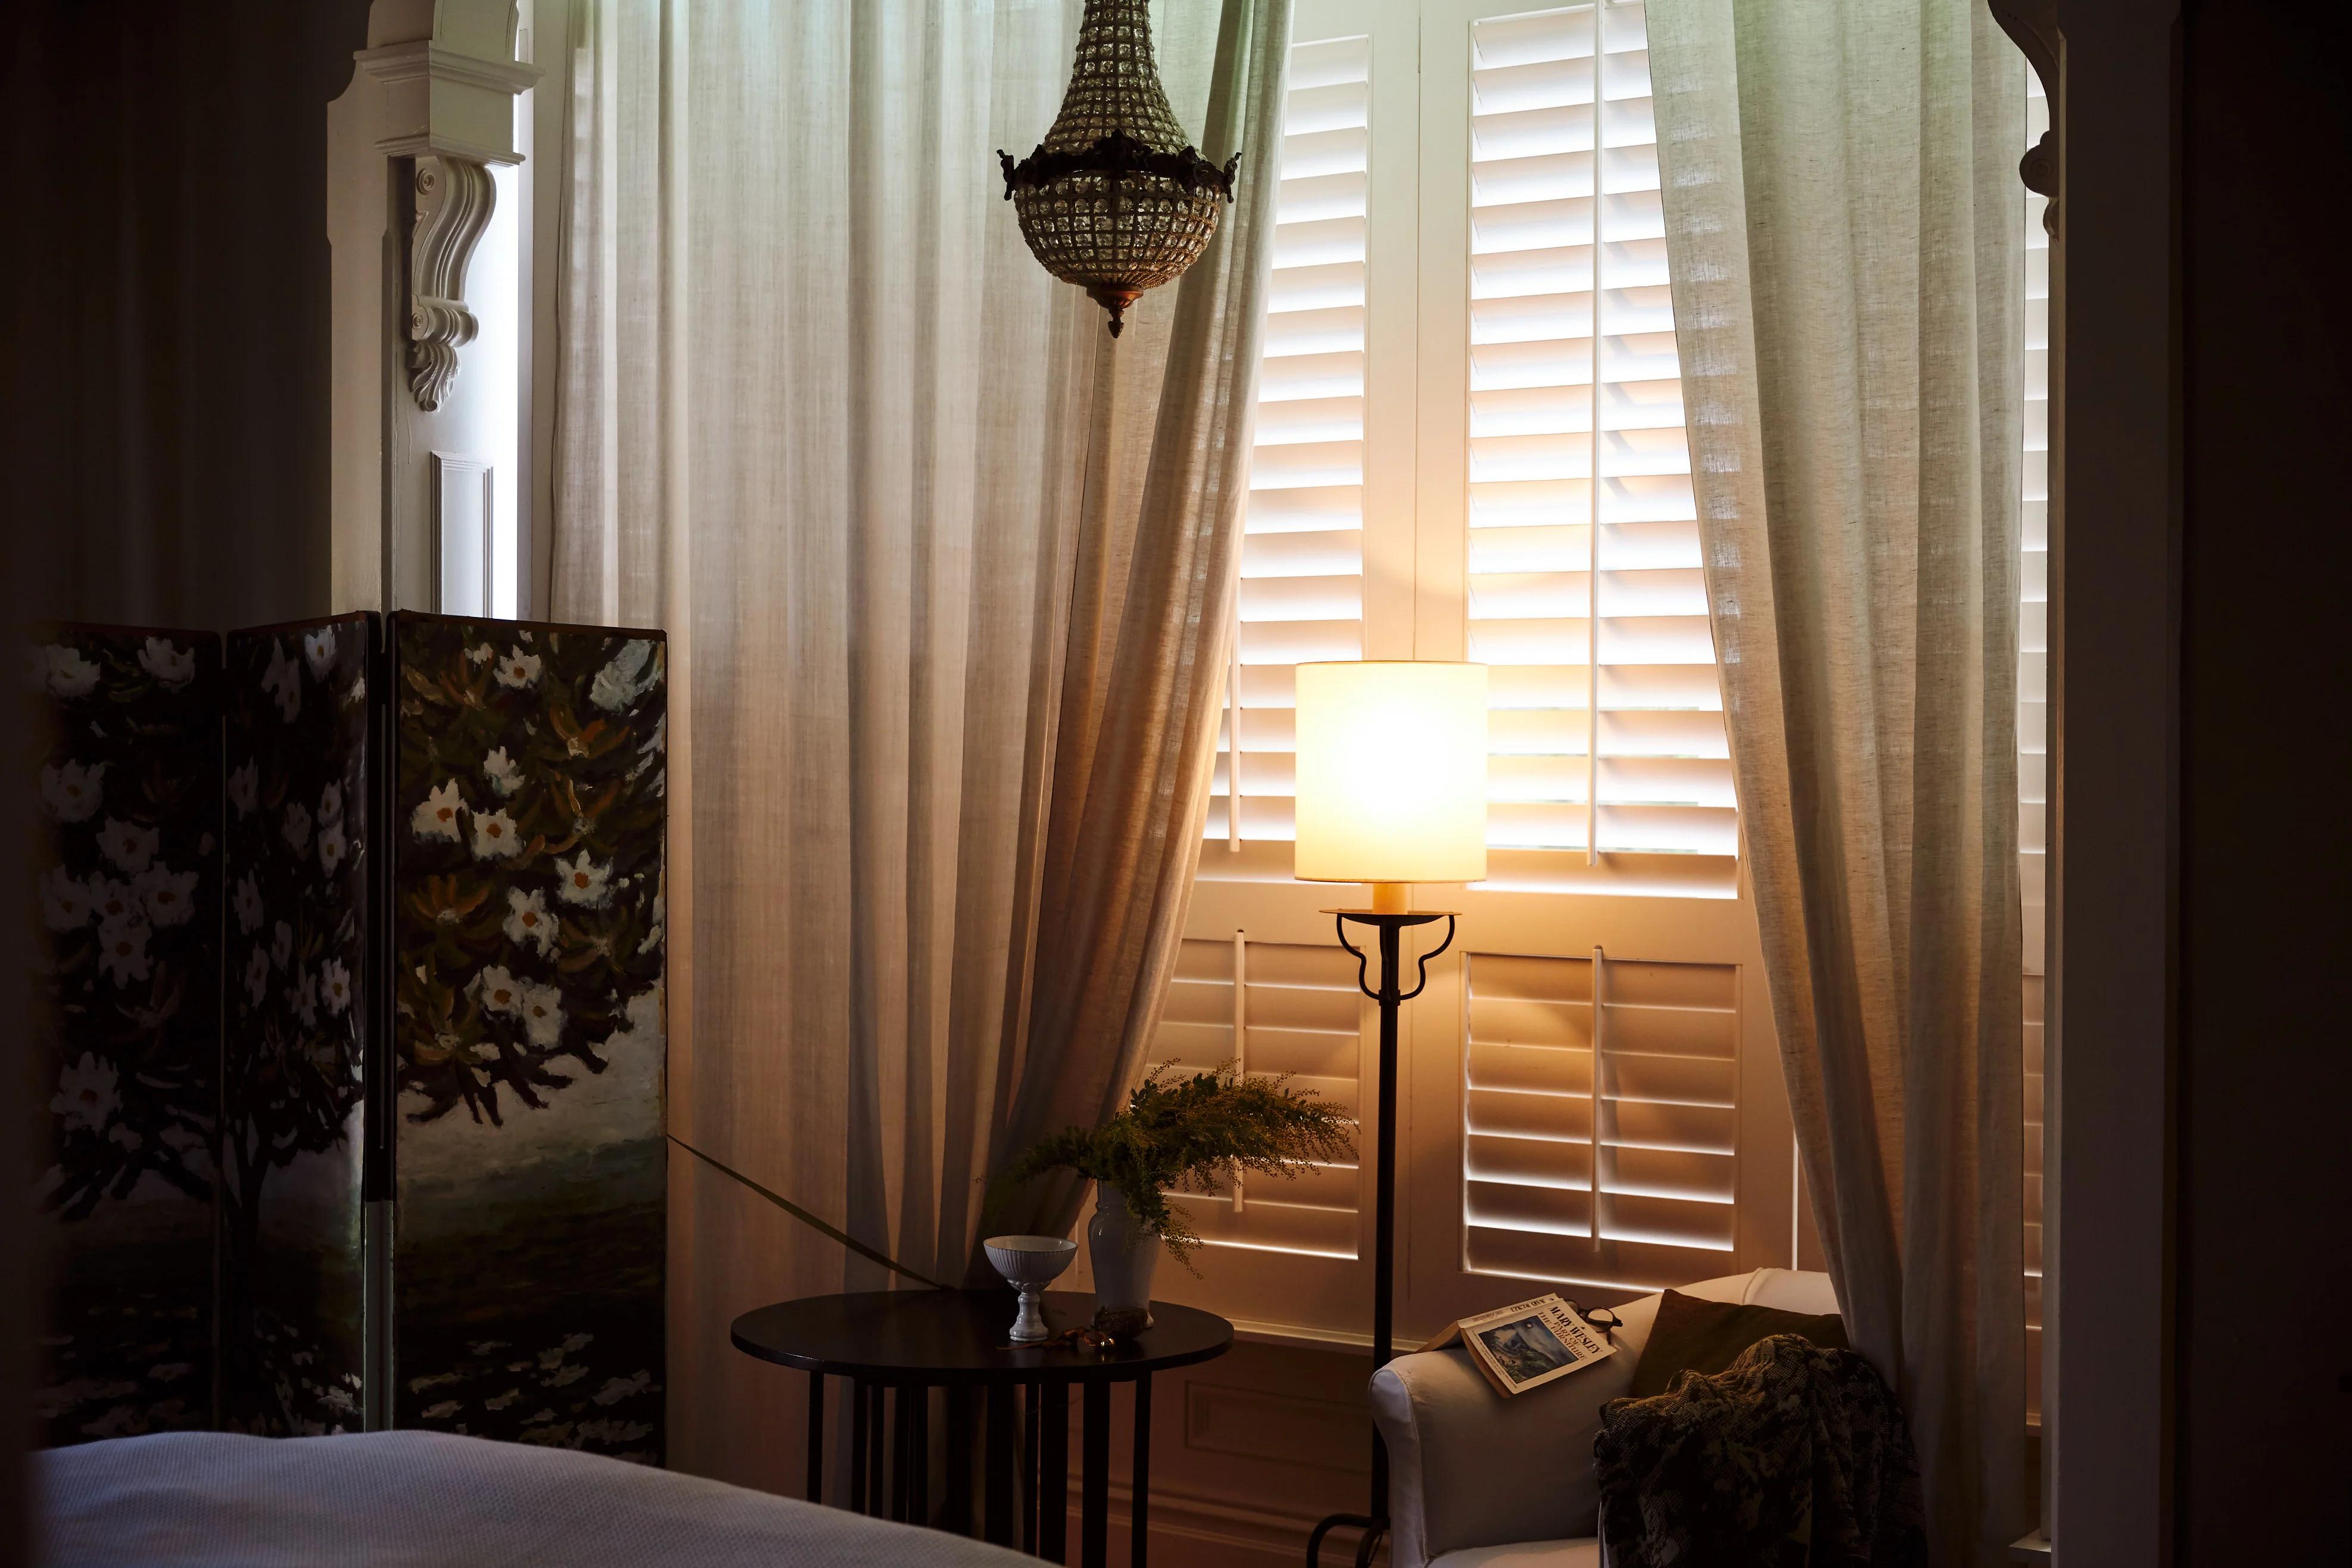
point(527, 963)
point(297, 935)
point(126, 1054)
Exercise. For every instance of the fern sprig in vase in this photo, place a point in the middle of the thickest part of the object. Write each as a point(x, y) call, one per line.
point(1178, 1133)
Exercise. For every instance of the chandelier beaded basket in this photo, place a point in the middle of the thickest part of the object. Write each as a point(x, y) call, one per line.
point(1115, 200)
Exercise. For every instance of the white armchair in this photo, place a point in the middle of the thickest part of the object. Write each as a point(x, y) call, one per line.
point(1477, 1481)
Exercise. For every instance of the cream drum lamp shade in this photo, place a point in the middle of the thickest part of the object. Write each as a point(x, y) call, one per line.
point(1391, 772)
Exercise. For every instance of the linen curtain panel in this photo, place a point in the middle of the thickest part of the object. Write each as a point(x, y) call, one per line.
point(948, 574)
point(1846, 235)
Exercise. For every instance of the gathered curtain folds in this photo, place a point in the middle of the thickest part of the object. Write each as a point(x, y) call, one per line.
point(1845, 233)
point(949, 576)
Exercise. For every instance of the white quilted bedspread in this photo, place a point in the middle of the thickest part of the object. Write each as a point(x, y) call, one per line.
point(420, 1500)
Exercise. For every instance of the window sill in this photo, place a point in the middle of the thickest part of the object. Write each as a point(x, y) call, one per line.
point(1291, 1336)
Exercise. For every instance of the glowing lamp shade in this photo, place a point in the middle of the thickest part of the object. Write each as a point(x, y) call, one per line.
point(1391, 781)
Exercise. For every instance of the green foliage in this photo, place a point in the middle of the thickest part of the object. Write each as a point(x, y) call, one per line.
point(1185, 1132)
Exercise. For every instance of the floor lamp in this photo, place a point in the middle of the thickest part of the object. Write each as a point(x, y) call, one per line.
point(1392, 791)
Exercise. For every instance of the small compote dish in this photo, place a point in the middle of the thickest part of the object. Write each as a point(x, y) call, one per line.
point(1029, 1264)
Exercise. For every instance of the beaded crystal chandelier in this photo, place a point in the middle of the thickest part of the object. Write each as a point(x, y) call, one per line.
point(1115, 200)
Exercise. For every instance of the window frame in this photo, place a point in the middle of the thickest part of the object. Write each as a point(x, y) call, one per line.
point(1415, 575)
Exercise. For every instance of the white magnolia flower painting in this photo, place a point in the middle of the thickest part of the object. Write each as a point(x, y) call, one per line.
point(334, 987)
point(319, 652)
point(518, 669)
point(243, 784)
point(66, 902)
point(171, 664)
point(71, 791)
point(246, 905)
point(122, 948)
point(435, 816)
point(495, 837)
point(520, 929)
point(67, 673)
point(499, 992)
point(582, 881)
point(283, 680)
point(168, 896)
point(305, 740)
point(331, 846)
point(130, 845)
point(527, 923)
point(502, 773)
point(87, 1099)
point(129, 767)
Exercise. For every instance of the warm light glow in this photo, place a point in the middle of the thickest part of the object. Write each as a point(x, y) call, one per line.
point(1391, 772)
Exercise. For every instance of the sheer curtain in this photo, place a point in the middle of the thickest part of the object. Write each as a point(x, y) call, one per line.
point(947, 572)
point(1846, 240)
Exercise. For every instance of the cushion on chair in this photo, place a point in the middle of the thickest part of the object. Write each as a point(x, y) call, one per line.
point(1692, 1333)
point(1787, 1289)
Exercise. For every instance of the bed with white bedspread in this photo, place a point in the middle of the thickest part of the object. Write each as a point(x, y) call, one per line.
point(420, 1500)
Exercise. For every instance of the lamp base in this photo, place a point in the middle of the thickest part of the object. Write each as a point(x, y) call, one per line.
point(1391, 897)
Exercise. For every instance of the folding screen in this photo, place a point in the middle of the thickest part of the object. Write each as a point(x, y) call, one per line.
point(436, 1101)
point(297, 938)
point(129, 1048)
point(527, 1152)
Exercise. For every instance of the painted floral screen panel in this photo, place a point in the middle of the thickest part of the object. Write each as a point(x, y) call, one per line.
point(129, 1045)
point(297, 933)
point(528, 814)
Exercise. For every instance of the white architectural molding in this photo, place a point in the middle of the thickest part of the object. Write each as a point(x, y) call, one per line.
point(414, 144)
point(441, 101)
point(455, 198)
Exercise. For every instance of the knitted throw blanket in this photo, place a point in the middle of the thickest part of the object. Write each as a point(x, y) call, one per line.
point(1791, 1457)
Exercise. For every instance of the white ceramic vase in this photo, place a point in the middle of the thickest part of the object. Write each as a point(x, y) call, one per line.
point(1125, 1255)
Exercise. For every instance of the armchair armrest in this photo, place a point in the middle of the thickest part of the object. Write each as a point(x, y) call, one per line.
point(1469, 1467)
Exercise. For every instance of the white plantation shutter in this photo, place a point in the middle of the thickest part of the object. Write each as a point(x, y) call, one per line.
point(2033, 731)
point(1579, 509)
point(1602, 1141)
point(1296, 1011)
point(1460, 442)
point(1302, 565)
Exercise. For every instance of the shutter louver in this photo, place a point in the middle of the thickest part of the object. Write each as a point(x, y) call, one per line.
point(1600, 1139)
point(1581, 525)
point(1299, 1013)
point(2033, 575)
point(2032, 730)
point(1302, 567)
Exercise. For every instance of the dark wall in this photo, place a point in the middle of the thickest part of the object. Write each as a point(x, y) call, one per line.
point(164, 365)
point(2263, 1332)
point(167, 303)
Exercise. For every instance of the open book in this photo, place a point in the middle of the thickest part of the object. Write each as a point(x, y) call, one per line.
point(1534, 1342)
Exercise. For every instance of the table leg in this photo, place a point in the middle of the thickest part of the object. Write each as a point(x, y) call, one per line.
point(857, 1437)
point(1094, 1497)
point(899, 1464)
point(874, 1453)
point(817, 1437)
point(1054, 1475)
point(1032, 1404)
point(1000, 1506)
point(918, 1456)
point(957, 1515)
point(1139, 1525)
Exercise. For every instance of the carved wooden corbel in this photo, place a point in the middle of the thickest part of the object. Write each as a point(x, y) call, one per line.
point(2033, 25)
point(454, 199)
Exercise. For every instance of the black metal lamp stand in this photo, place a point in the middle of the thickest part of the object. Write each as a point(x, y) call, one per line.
point(1375, 1524)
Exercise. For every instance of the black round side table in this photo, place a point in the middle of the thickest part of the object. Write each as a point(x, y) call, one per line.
point(902, 1343)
